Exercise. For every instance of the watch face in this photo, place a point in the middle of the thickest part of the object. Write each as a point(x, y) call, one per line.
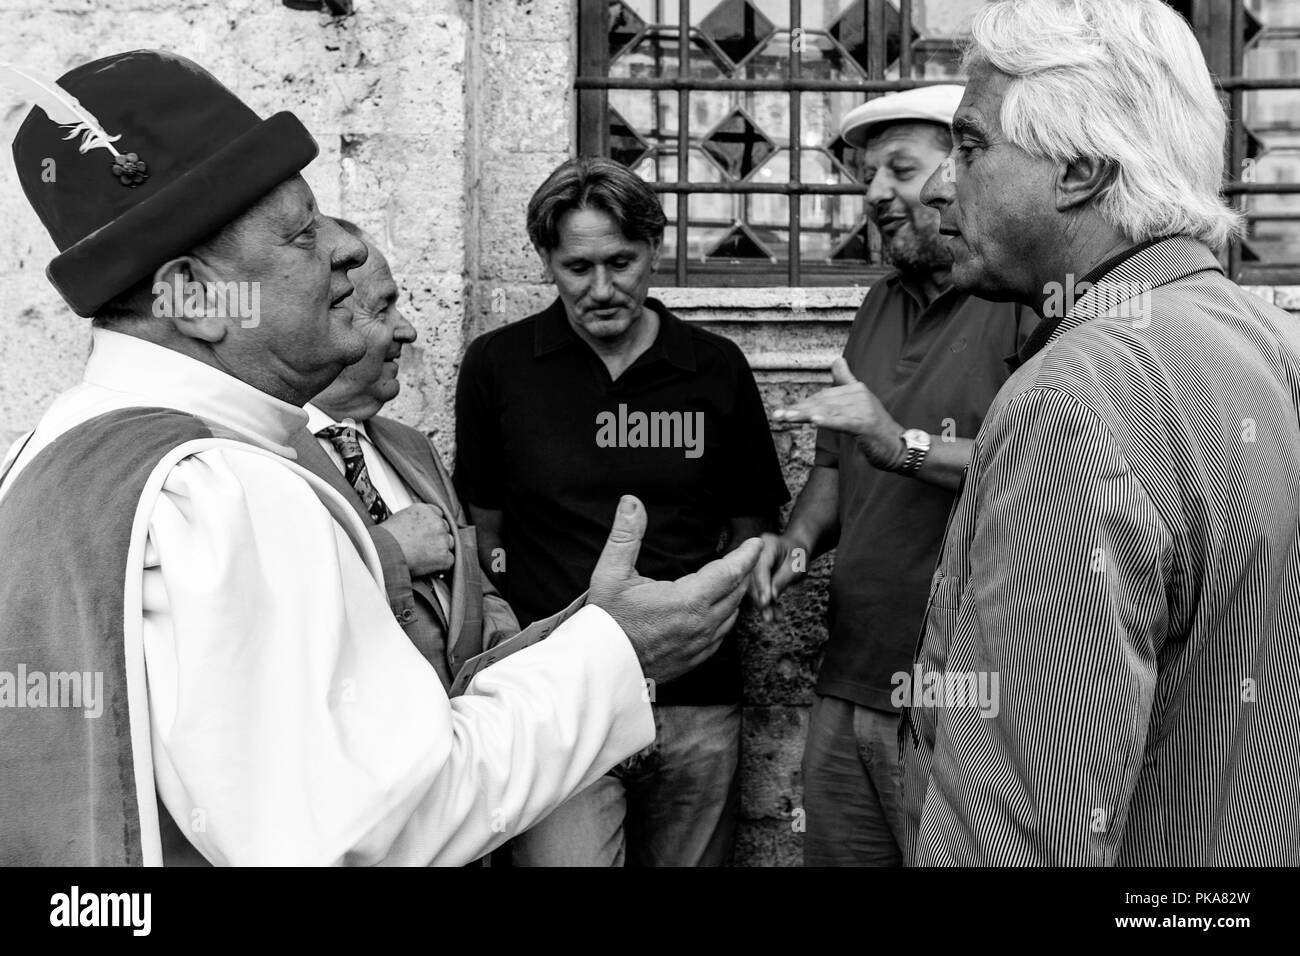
point(916, 438)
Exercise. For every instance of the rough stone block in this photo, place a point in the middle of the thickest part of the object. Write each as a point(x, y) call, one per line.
point(529, 19)
point(780, 660)
point(323, 177)
point(767, 843)
point(410, 191)
point(526, 97)
point(42, 352)
point(772, 747)
point(498, 303)
point(505, 185)
point(434, 304)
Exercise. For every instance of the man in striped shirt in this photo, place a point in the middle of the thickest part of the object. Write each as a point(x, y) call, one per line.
point(1122, 568)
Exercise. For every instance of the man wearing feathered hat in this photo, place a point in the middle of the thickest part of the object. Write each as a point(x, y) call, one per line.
point(261, 703)
point(921, 365)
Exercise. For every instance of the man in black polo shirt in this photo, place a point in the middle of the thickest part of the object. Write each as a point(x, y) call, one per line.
point(607, 393)
point(921, 366)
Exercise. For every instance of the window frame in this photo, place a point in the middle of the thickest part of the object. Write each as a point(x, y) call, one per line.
point(1218, 27)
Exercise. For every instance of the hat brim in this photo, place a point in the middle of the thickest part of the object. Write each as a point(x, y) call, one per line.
point(857, 136)
point(182, 214)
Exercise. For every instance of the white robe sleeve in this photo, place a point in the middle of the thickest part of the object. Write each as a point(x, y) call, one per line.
point(292, 720)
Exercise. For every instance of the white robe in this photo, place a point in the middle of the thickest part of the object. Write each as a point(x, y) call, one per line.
point(288, 718)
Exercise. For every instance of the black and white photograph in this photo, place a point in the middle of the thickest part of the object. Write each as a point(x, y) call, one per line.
point(761, 434)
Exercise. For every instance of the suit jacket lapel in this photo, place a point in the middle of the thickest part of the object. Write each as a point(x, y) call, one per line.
point(312, 457)
point(415, 466)
point(414, 461)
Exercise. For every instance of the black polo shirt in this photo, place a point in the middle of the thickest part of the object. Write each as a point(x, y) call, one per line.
point(936, 368)
point(545, 435)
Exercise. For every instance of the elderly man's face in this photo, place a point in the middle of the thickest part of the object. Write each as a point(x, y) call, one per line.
point(601, 276)
point(899, 158)
point(300, 260)
point(365, 387)
point(996, 203)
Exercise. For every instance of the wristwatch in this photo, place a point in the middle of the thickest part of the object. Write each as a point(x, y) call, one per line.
point(917, 444)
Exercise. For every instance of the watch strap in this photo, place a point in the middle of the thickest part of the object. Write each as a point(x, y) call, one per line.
point(911, 463)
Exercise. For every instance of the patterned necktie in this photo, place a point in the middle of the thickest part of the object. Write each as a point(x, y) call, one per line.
point(346, 443)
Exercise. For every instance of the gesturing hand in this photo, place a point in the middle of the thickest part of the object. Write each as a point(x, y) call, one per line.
point(849, 406)
point(774, 571)
point(673, 626)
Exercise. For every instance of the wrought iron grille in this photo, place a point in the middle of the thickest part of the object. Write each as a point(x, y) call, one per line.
point(1255, 47)
point(738, 127)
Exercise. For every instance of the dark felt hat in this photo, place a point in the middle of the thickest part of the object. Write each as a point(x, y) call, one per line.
point(184, 157)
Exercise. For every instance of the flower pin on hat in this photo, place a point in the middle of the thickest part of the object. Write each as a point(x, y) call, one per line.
point(64, 110)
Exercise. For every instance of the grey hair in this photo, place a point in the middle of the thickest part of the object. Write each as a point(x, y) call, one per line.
point(1118, 80)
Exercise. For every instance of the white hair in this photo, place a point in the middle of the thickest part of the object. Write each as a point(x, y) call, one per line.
point(1120, 80)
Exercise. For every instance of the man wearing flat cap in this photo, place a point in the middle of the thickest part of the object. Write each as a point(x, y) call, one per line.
point(261, 703)
point(921, 365)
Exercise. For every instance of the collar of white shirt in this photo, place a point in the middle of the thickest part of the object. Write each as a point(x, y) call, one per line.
point(318, 419)
point(388, 481)
point(160, 376)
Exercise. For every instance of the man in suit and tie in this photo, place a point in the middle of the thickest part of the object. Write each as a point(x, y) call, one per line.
point(393, 476)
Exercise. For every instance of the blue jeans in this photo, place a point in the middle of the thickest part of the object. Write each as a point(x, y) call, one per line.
point(852, 786)
point(673, 804)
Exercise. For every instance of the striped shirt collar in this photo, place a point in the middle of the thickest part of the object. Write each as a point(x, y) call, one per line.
point(1121, 278)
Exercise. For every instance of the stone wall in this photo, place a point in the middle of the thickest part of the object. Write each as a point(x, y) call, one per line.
point(383, 91)
point(436, 120)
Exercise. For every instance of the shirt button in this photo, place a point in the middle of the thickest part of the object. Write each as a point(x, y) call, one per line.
point(407, 616)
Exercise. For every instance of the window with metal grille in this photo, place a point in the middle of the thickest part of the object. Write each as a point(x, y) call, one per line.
point(1254, 47)
point(737, 128)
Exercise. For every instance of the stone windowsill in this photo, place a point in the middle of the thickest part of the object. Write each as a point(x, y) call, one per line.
point(687, 298)
point(820, 298)
point(755, 317)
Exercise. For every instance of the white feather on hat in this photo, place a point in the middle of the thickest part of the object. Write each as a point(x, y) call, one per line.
point(61, 107)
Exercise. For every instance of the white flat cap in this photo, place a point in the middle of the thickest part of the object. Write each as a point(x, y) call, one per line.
point(935, 104)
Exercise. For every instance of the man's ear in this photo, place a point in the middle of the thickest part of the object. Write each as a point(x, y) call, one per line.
point(185, 293)
point(656, 248)
point(1079, 181)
